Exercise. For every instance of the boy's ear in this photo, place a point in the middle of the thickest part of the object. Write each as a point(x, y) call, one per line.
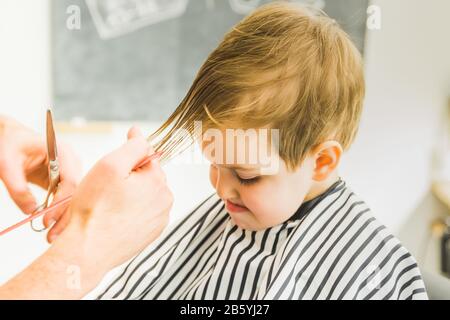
point(326, 157)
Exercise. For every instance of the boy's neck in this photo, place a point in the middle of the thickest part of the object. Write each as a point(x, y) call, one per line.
point(320, 187)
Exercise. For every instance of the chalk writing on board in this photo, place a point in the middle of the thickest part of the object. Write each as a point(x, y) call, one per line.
point(143, 75)
point(113, 18)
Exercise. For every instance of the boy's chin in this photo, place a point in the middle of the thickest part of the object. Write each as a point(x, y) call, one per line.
point(246, 223)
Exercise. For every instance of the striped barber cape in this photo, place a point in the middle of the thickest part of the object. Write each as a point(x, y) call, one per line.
point(331, 248)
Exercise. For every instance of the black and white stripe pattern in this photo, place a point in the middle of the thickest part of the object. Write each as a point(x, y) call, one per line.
point(332, 248)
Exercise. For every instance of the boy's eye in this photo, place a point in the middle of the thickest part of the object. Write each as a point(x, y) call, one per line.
point(247, 181)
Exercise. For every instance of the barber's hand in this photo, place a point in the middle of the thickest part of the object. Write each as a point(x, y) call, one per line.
point(117, 212)
point(23, 160)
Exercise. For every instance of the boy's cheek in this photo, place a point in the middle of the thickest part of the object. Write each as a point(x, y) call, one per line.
point(263, 206)
point(269, 207)
point(213, 176)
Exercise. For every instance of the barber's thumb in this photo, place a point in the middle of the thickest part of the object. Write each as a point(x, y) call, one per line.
point(17, 186)
point(130, 153)
point(134, 132)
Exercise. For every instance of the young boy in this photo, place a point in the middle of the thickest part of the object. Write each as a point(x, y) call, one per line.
point(295, 231)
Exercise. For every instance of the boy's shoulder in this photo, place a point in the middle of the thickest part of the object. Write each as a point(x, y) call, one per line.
point(359, 256)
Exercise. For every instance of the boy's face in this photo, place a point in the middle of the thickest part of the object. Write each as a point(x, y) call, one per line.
point(256, 198)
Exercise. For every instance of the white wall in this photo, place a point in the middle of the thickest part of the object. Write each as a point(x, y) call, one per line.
point(24, 94)
point(24, 59)
point(408, 70)
point(408, 84)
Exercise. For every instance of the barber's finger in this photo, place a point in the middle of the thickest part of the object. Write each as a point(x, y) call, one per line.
point(53, 217)
point(150, 171)
point(13, 176)
point(70, 169)
point(69, 165)
point(58, 227)
point(134, 132)
point(125, 158)
point(65, 189)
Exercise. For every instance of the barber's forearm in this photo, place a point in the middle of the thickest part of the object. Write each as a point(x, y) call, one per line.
point(62, 272)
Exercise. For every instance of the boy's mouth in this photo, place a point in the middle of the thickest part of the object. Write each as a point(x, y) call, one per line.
point(233, 207)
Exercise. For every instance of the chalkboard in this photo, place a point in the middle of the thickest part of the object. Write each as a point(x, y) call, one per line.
point(132, 65)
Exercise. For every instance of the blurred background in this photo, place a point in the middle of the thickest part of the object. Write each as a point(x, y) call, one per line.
point(104, 65)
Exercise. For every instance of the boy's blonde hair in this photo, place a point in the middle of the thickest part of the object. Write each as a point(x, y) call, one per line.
point(284, 66)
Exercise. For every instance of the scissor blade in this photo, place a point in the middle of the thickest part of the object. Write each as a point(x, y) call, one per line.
point(51, 137)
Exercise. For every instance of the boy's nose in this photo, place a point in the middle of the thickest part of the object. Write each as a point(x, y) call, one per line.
point(225, 184)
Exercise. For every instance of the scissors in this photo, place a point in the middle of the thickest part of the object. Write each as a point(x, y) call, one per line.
point(53, 168)
point(54, 179)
